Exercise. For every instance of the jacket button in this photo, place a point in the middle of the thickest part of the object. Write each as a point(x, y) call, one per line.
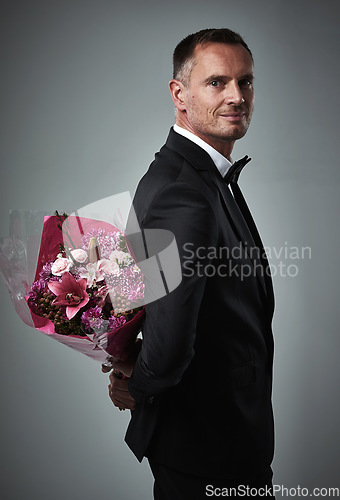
point(150, 400)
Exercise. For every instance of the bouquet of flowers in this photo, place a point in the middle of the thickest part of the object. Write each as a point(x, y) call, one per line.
point(88, 291)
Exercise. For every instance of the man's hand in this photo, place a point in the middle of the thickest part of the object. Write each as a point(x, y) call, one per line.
point(125, 367)
point(119, 393)
point(118, 388)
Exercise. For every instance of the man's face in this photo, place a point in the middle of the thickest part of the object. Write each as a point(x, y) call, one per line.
point(219, 98)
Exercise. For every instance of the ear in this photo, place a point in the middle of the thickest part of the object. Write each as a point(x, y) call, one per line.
point(178, 91)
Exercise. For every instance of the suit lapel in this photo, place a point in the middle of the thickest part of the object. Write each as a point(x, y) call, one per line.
point(240, 225)
point(257, 238)
point(201, 160)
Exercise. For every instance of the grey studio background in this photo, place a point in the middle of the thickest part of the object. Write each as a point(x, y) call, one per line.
point(84, 107)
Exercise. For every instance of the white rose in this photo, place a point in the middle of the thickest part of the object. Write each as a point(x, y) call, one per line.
point(60, 266)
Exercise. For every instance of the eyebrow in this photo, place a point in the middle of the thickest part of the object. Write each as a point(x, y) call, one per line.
point(248, 76)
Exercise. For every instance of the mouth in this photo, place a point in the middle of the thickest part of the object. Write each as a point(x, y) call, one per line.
point(233, 117)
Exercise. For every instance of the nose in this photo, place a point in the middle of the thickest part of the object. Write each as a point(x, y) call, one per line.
point(234, 94)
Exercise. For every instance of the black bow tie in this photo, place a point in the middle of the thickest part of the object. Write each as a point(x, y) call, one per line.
point(235, 170)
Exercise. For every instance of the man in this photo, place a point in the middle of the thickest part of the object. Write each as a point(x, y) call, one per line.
point(200, 388)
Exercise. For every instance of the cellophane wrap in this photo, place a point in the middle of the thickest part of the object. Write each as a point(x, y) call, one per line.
point(19, 256)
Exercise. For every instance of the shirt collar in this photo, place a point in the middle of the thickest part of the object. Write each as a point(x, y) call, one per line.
point(222, 164)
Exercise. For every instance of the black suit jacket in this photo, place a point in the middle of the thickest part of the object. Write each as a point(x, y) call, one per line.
point(203, 379)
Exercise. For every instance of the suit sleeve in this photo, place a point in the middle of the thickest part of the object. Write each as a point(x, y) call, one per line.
point(169, 331)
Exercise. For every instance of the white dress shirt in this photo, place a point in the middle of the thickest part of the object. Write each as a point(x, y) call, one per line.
point(222, 164)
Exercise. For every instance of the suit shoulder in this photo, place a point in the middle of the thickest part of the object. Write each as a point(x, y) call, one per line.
point(170, 167)
point(166, 167)
point(169, 171)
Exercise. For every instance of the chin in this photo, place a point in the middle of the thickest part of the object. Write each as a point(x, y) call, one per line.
point(232, 136)
point(238, 134)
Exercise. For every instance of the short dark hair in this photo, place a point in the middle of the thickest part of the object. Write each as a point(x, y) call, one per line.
point(183, 57)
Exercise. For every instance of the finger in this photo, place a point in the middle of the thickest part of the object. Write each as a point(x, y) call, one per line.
point(120, 394)
point(121, 398)
point(118, 379)
point(121, 406)
point(113, 378)
point(125, 406)
point(122, 402)
point(123, 391)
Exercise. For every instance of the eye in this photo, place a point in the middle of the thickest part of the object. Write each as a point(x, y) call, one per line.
point(246, 84)
point(215, 83)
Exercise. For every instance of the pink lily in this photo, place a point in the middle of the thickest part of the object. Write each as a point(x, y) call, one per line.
point(70, 293)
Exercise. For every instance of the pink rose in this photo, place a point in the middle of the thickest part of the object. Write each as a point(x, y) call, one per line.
point(60, 266)
point(108, 267)
point(79, 255)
